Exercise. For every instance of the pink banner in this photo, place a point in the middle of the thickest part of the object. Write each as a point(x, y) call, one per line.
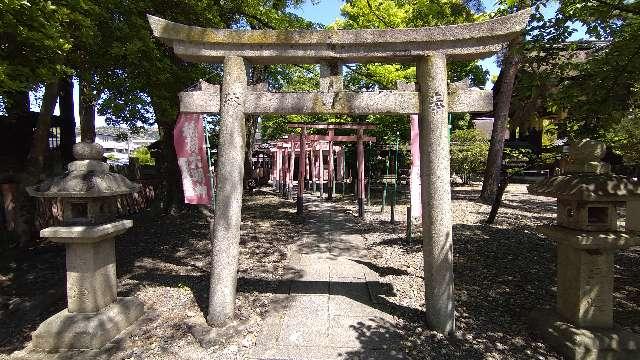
point(188, 138)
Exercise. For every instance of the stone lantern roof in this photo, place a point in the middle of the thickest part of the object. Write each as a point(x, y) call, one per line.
point(87, 177)
point(587, 187)
point(587, 178)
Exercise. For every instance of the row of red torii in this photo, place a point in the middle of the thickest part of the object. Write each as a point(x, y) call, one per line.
point(287, 149)
point(431, 98)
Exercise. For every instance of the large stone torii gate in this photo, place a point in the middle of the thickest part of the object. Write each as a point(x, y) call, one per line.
point(428, 48)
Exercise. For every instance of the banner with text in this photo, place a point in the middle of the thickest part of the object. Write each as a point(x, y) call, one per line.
point(188, 138)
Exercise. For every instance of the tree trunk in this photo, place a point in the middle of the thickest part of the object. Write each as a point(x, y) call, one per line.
point(87, 109)
point(251, 124)
point(25, 206)
point(501, 104)
point(68, 120)
point(174, 196)
point(17, 105)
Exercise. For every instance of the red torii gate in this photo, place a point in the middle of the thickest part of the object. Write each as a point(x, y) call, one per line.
point(359, 139)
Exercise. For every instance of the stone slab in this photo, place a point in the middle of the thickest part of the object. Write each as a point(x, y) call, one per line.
point(318, 272)
point(362, 332)
point(85, 234)
point(300, 331)
point(357, 291)
point(321, 259)
point(585, 344)
point(344, 268)
point(281, 352)
point(340, 305)
point(309, 306)
point(309, 287)
point(73, 331)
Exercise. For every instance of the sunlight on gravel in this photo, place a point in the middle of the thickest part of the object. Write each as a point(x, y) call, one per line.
point(502, 272)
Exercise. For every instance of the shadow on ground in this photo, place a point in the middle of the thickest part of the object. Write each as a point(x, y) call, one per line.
point(160, 250)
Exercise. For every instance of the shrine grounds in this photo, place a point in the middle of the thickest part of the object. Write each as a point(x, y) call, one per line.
point(502, 272)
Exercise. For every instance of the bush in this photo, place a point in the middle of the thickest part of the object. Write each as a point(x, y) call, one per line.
point(469, 151)
point(143, 155)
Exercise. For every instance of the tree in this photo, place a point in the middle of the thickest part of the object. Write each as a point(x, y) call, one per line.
point(127, 75)
point(501, 104)
point(502, 92)
point(469, 151)
point(143, 155)
point(362, 77)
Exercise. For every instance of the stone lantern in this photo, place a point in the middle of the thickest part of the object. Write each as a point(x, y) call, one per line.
point(587, 236)
point(94, 314)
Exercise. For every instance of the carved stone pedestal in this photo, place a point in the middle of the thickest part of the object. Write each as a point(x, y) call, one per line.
point(94, 314)
point(583, 328)
point(577, 343)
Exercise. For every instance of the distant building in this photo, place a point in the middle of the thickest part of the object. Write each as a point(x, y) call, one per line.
point(485, 126)
point(119, 143)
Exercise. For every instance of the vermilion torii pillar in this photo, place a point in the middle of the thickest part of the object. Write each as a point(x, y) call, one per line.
point(360, 156)
point(330, 179)
point(291, 169)
point(321, 171)
point(301, 168)
point(428, 48)
point(314, 168)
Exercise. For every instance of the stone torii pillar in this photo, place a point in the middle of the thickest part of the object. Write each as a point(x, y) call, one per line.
point(436, 192)
point(226, 229)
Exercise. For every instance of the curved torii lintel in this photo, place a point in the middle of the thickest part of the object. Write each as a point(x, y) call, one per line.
point(458, 42)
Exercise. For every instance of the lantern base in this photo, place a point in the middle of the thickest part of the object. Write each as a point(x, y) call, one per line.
point(87, 331)
point(585, 344)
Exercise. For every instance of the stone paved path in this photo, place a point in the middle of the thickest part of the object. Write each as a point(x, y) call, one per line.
point(332, 310)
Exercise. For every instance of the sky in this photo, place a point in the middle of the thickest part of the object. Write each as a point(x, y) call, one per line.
point(327, 11)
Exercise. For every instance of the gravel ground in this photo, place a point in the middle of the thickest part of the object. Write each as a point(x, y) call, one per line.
point(163, 261)
point(502, 272)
